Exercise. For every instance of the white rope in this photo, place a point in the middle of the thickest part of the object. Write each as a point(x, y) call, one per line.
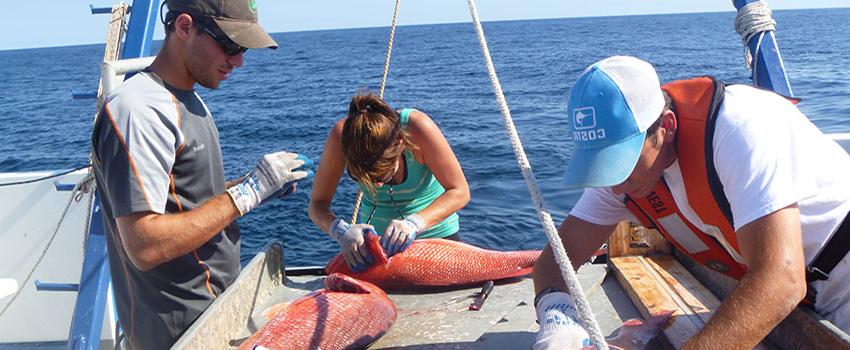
point(582, 306)
point(753, 19)
point(383, 85)
point(389, 48)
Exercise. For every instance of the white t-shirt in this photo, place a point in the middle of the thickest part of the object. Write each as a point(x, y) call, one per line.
point(768, 155)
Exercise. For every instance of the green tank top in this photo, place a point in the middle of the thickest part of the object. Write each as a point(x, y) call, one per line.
point(419, 189)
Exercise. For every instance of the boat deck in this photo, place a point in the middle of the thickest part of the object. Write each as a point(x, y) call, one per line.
point(442, 320)
point(429, 320)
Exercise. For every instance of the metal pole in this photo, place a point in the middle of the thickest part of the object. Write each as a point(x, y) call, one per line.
point(769, 70)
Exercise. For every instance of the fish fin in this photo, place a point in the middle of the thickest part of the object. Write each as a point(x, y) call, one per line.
point(338, 282)
point(373, 245)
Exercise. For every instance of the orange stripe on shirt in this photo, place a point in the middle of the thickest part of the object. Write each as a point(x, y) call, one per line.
point(129, 158)
point(207, 271)
point(174, 193)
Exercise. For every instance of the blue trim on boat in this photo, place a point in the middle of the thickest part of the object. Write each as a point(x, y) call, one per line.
point(769, 72)
point(89, 308)
point(56, 287)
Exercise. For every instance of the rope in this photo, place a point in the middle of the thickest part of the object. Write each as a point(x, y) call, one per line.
point(582, 306)
point(383, 85)
point(76, 196)
point(753, 19)
point(389, 48)
point(48, 177)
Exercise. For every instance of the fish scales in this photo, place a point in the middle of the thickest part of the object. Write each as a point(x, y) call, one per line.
point(347, 314)
point(436, 263)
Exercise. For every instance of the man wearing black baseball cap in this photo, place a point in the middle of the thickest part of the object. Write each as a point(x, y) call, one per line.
point(236, 19)
point(168, 212)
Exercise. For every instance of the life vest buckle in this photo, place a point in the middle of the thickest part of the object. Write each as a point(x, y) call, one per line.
point(813, 273)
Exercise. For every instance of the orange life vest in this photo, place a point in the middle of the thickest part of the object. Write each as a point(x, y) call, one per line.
point(697, 102)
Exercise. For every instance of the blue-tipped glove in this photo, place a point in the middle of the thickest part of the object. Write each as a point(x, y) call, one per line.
point(275, 175)
point(401, 233)
point(351, 243)
point(559, 328)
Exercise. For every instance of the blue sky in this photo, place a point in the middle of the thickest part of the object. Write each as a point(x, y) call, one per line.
point(42, 23)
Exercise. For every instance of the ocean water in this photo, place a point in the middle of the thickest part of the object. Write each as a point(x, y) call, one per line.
point(288, 98)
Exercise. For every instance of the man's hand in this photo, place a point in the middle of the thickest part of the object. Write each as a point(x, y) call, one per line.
point(351, 243)
point(559, 328)
point(400, 233)
point(275, 175)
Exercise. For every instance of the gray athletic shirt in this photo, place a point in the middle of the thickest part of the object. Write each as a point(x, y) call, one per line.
point(156, 150)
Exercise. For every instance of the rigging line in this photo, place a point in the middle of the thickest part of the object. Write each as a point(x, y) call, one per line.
point(584, 312)
point(45, 177)
point(383, 85)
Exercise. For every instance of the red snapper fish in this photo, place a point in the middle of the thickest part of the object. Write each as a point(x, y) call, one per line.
point(437, 263)
point(346, 314)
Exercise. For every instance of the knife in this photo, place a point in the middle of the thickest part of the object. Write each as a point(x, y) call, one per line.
point(482, 295)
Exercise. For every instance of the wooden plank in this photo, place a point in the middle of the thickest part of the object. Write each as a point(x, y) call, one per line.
point(632, 239)
point(685, 286)
point(652, 298)
point(658, 284)
point(117, 23)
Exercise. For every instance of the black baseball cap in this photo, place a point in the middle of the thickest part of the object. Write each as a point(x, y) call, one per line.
point(236, 18)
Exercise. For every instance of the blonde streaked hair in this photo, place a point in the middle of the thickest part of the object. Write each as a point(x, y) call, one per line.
point(370, 138)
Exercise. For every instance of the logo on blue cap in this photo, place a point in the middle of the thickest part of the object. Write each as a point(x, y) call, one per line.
point(584, 118)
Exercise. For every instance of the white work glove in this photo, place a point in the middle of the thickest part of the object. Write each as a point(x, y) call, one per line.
point(351, 243)
point(275, 174)
point(400, 233)
point(559, 328)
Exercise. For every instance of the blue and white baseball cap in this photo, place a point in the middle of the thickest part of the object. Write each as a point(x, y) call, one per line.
point(611, 105)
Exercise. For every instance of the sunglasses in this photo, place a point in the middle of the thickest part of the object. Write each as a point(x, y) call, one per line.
point(392, 200)
point(228, 46)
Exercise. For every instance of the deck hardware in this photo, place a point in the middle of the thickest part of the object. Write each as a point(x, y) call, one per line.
point(56, 287)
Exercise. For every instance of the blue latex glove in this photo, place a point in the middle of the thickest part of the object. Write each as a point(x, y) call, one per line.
point(274, 175)
point(401, 233)
point(351, 243)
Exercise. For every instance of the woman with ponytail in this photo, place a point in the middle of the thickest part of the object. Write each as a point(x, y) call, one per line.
point(411, 180)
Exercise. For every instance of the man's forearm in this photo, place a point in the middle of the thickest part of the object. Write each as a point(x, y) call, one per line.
point(153, 239)
point(759, 302)
point(580, 239)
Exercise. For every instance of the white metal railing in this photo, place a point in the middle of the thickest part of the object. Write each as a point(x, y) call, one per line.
point(112, 73)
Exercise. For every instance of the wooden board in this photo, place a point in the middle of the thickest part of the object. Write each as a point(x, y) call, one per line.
point(658, 284)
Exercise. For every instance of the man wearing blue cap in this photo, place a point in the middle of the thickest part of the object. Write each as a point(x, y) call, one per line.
point(735, 177)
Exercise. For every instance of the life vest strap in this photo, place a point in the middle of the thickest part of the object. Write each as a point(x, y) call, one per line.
point(835, 249)
point(832, 253)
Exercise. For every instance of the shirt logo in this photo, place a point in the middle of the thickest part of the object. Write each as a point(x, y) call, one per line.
point(584, 118)
point(200, 147)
